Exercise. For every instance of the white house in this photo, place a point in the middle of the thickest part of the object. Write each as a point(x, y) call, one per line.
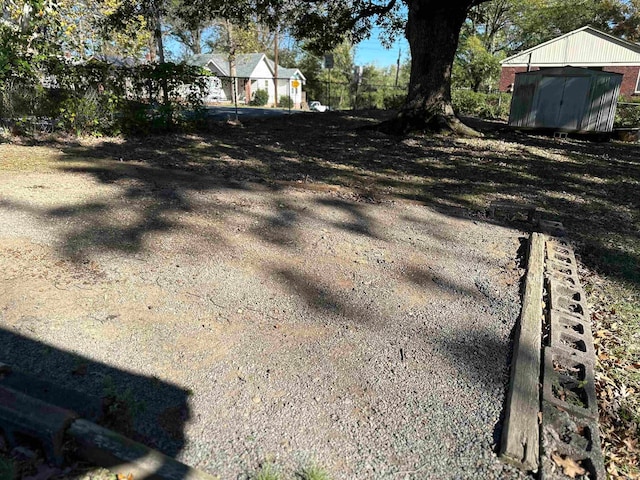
point(254, 71)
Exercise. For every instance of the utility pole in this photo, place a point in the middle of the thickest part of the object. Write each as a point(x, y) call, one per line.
point(275, 68)
point(398, 66)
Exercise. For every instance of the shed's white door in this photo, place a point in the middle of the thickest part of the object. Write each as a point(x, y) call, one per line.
point(573, 102)
point(549, 94)
point(561, 102)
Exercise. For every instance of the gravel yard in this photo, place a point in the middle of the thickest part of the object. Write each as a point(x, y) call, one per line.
point(243, 323)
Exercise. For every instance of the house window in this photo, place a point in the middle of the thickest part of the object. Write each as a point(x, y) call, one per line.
point(266, 84)
point(638, 83)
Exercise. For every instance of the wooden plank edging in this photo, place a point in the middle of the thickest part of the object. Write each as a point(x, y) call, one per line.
point(521, 432)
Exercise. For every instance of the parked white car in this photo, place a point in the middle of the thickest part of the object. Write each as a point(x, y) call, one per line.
point(318, 107)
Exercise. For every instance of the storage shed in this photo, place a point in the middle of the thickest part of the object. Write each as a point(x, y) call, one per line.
point(567, 99)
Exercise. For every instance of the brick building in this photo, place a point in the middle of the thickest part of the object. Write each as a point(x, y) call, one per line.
point(585, 47)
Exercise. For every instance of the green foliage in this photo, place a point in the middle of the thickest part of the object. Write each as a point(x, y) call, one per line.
point(260, 98)
point(483, 105)
point(475, 67)
point(394, 101)
point(313, 472)
point(29, 31)
point(628, 116)
point(267, 471)
point(88, 113)
point(285, 101)
point(537, 21)
point(97, 98)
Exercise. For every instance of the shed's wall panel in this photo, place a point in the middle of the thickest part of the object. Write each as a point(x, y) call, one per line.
point(568, 99)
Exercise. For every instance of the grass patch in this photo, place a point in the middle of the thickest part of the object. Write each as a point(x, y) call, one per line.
point(267, 471)
point(312, 472)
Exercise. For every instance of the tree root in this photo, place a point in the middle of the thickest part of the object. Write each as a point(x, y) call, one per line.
point(405, 123)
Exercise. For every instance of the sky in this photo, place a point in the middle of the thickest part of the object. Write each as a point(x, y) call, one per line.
point(371, 51)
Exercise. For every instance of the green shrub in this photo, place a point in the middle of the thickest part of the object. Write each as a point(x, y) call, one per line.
point(90, 113)
point(394, 101)
point(260, 98)
point(482, 105)
point(285, 101)
point(370, 98)
point(628, 114)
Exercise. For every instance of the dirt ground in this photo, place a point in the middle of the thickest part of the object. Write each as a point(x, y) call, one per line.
point(300, 292)
point(294, 325)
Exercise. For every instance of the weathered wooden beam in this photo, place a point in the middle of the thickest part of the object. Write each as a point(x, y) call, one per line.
point(520, 436)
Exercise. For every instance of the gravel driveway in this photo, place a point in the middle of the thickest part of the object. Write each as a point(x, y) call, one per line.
point(244, 323)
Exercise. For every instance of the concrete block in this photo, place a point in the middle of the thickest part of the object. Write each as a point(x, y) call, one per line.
point(572, 344)
point(121, 455)
point(25, 416)
point(561, 270)
point(562, 259)
point(569, 436)
point(559, 245)
point(570, 300)
point(578, 329)
point(567, 279)
point(568, 383)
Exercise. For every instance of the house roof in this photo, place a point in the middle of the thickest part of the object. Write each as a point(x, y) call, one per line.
point(246, 63)
point(114, 60)
point(583, 46)
point(284, 72)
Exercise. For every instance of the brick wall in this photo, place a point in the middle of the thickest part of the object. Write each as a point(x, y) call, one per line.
point(508, 76)
point(629, 80)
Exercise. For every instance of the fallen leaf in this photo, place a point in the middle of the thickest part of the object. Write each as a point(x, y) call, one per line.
point(570, 467)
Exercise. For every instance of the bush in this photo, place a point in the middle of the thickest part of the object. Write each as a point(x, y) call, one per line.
point(628, 114)
point(97, 98)
point(394, 101)
point(482, 105)
point(285, 101)
point(90, 113)
point(260, 98)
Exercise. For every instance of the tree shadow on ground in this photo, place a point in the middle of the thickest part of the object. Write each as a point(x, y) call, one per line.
point(145, 409)
point(590, 187)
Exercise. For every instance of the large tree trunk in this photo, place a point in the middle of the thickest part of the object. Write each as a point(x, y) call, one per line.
point(432, 30)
